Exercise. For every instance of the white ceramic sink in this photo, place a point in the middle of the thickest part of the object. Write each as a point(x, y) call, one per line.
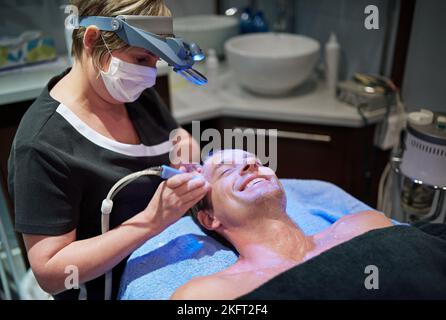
point(208, 31)
point(272, 63)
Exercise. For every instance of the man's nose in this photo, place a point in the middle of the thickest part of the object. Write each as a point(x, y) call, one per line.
point(249, 167)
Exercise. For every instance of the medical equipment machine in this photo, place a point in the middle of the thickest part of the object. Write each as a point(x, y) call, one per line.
point(413, 186)
point(154, 34)
point(367, 92)
point(165, 172)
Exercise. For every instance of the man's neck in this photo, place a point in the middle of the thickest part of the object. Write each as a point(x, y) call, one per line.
point(271, 243)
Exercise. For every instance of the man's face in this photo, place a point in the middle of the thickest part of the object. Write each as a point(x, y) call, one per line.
point(242, 187)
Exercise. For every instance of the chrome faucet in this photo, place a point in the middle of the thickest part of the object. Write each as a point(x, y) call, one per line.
point(285, 16)
point(236, 11)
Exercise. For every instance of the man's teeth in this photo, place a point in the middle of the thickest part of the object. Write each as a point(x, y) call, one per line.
point(253, 182)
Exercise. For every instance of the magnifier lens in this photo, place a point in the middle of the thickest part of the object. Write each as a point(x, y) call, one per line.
point(196, 52)
point(198, 57)
point(193, 76)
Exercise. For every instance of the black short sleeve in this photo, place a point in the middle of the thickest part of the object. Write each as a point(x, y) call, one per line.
point(44, 199)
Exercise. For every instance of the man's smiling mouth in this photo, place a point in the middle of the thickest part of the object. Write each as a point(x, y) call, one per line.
point(252, 181)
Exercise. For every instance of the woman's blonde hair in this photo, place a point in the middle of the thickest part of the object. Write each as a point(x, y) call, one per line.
point(111, 8)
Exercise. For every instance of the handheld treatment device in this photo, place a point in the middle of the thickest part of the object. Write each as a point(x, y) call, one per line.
point(154, 34)
point(165, 172)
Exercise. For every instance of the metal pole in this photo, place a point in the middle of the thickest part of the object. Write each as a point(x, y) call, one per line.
point(7, 247)
point(4, 279)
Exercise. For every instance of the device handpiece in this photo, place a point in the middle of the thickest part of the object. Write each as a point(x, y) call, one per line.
point(168, 172)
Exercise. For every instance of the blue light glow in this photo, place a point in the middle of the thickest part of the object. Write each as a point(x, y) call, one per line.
point(198, 57)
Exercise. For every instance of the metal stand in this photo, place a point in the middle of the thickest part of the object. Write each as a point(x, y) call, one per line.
point(437, 207)
point(6, 247)
point(4, 280)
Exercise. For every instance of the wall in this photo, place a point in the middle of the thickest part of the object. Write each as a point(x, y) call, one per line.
point(17, 16)
point(268, 7)
point(181, 8)
point(363, 50)
point(424, 79)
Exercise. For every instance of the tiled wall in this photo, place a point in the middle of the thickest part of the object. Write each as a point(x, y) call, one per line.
point(362, 50)
point(424, 84)
point(268, 7)
point(17, 16)
point(181, 8)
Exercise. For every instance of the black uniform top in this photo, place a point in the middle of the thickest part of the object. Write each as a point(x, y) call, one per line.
point(60, 170)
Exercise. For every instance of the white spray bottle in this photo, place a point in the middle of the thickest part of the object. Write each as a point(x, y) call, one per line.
point(332, 57)
point(212, 70)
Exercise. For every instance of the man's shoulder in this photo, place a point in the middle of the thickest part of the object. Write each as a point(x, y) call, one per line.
point(201, 288)
point(370, 217)
point(349, 227)
point(353, 225)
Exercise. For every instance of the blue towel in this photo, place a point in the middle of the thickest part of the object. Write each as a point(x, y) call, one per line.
point(183, 251)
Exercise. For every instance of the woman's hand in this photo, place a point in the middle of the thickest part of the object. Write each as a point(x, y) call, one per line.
point(191, 167)
point(174, 197)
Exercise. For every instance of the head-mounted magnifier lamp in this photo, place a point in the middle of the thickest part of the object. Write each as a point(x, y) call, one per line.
point(154, 34)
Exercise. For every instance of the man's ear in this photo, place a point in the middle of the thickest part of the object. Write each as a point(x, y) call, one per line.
point(91, 35)
point(208, 220)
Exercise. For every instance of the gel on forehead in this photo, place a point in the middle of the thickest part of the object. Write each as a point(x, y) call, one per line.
point(232, 156)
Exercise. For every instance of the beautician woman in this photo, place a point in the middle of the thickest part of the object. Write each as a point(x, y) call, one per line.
point(91, 126)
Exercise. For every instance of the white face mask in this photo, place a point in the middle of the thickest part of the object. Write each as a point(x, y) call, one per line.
point(126, 81)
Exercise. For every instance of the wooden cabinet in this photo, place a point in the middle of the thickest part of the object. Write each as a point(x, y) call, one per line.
point(341, 155)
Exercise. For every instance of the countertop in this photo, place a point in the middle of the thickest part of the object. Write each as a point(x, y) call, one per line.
point(23, 84)
point(311, 103)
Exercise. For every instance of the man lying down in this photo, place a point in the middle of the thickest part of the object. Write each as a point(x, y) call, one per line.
point(361, 255)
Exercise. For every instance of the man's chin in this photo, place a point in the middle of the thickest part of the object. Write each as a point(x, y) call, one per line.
point(268, 193)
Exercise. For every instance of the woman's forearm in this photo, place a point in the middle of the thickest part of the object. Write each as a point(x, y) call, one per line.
point(95, 256)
